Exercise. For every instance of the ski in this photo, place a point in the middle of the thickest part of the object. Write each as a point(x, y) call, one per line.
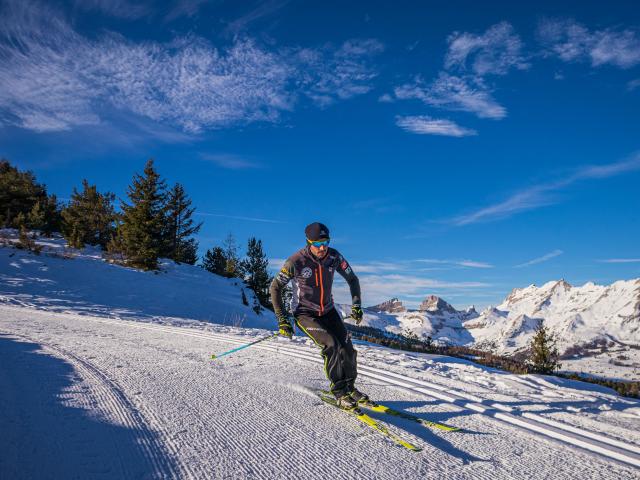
point(370, 422)
point(378, 407)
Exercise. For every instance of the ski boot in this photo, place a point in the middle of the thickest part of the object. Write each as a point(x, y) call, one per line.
point(346, 402)
point(360, 397)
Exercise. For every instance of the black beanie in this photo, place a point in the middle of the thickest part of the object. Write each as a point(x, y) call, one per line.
point(316, 231)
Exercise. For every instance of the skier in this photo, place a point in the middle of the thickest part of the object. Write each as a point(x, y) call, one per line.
point(312, 269)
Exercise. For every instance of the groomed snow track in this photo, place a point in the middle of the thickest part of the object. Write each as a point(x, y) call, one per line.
point(587, 440)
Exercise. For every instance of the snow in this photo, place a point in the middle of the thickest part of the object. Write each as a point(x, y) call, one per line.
point(105, 372)
point(87, 396)
point(64, 279)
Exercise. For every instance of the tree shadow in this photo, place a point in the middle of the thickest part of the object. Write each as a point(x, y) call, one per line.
point(45, 436)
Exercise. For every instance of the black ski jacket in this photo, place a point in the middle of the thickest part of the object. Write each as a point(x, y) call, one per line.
point(312, 281)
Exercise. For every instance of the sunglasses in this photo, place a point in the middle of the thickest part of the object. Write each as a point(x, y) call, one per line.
point(320, 243)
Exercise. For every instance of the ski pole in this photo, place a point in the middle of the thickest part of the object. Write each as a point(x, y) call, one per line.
point(213, 357)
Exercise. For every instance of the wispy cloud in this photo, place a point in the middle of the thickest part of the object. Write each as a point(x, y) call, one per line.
point(541, 259)
point(462, 84)
point(125, 9)
point(573, 42)
point(459, 263)
point(184, 8)
point(472, 264)
point(378, 205)
point(378, 267)
point(55, 79)
point(450, 92)
point(425, 125)
point(238, 217)
point(378, 288)
point(330, 75)
point(495, 52)
point(633, 84)
point(229, 161)
point(263, 10)
point(544, 194)
point(620, 260)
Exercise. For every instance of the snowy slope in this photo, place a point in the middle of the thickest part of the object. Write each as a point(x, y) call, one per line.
point(579, 315)
point(93, 397)
point(63, 279)
point(105, 372)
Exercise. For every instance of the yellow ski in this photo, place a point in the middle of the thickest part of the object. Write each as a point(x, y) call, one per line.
point(370, 422)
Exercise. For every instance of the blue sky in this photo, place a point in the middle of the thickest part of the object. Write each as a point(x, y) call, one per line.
point(451, 149)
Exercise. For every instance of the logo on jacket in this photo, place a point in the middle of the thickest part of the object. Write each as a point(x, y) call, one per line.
point(306, 272)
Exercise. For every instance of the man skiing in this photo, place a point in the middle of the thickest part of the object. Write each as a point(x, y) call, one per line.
point(312, 269)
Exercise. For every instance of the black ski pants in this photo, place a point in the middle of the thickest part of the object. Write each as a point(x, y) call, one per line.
point(330, 334)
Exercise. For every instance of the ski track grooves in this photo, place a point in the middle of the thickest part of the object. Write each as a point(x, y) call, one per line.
point(568, 434)
point(112, 400)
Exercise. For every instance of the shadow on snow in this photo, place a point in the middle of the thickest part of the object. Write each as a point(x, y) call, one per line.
point(44, 436)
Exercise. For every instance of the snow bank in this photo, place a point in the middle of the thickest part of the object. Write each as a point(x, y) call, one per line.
point(68, 280)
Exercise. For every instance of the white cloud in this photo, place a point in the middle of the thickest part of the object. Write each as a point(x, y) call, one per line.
point(426, 125)
point(633, 84)
point(378, 288)
point(572, 41)
point(329, 75)
point(462, 84)
point(126, 9)
point(544, 194)
point(472, 264)
point(55, 79)
point(541, 259)
point(459, 263)
point(185, 8)
point(230, 161)
point(496, 51)
point(378, 267)
point(467, 94)
point(238, 217)
point(621, 260)
point(264, 9)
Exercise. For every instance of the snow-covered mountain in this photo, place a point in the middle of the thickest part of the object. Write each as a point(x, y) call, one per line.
point(597, 326)
point(436, 319)
point(587, 315)
point(580, 316)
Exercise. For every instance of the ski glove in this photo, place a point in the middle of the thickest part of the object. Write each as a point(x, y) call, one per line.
point(357, 313)
point(285, 327)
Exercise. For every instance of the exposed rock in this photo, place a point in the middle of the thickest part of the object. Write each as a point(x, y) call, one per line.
point(435, 305)
point(390, 306)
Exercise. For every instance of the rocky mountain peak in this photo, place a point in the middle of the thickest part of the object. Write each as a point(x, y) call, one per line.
point(562, 284)
point(435, 304)
point(390, 306)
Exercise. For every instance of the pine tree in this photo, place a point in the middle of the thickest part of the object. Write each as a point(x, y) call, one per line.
point(140, 235)
point(255, 270)
point(233, 267)
point(544, 351)
point(19, 193)
point(89, 218)
point(52, 216)
point(179, 227)
point(214, 261)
